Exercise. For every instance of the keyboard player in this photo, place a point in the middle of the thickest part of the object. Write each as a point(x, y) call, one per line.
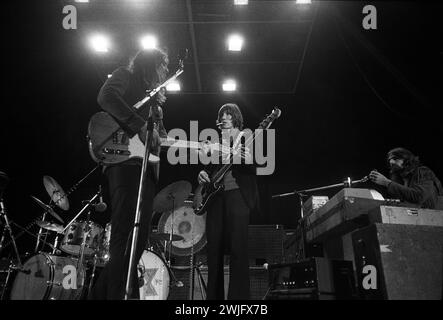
point(410, 181)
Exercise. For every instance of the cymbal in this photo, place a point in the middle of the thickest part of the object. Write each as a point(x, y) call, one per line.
point(48, 209)
point(165, 237)
point(58, 196)
point(50, 226)
point(172, 196)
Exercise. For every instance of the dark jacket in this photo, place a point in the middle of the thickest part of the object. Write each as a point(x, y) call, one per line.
point(245, 176)
point(420, 186)
point(118, 95)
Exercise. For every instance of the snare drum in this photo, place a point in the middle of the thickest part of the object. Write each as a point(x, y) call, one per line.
point(73, 238)
point(49, 277)
point(155, 274)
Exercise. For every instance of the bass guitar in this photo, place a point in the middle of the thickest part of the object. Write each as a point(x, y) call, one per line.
point(205, 193)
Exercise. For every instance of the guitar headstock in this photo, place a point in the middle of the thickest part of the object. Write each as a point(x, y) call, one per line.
point(266, 123)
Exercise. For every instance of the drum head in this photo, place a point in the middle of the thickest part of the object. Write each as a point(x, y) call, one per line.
point(155, 274)
point(184, 222)
point(31, 283)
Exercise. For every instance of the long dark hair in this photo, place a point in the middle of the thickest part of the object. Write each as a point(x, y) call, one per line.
point(234, 111)
point(147, 66)
point(410, 161)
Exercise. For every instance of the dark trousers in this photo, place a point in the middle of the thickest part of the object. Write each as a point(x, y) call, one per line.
point(227, 231)
point(123, 188)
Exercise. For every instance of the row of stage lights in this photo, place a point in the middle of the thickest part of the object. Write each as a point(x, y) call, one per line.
point(101, 44)
point(236, 2)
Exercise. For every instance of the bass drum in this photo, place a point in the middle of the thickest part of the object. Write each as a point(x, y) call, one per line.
point(184, 222)
point(153, 275)
point(49, 277)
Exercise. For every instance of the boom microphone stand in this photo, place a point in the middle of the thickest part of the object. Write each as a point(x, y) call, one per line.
point(347, 183)
point(150, 129)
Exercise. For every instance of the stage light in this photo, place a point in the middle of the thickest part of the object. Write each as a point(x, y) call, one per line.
point(240, 2)
point(148, 42)
point(229, 85)
point(303, 1)
point(173, 86)
point(109, 75)
point(99, 43)
point(82, 1)
point(235, 42)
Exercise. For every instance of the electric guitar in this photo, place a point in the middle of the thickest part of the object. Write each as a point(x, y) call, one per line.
point(205, 193)
point(109, 144)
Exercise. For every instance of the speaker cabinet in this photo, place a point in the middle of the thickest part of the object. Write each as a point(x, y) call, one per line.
point(398, 261)
point(258, 282)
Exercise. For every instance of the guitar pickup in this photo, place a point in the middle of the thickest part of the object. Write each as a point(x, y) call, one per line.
point(116, 152)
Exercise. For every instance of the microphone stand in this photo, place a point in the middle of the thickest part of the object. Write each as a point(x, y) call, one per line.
point(150, 129)
point(347, 183)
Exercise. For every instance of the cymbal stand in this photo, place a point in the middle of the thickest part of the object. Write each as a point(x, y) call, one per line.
point(88, 204)
point(171, 196)
point(86, 231)
point(201, 282)
point(7, 228)
point(40, 233)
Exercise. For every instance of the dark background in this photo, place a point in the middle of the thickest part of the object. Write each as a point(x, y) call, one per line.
point(347, 95)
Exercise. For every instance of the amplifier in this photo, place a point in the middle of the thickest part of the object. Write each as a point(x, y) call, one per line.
point(403, 215)
point(258, 282)
point(399, 262)
point(266, 244)
point(314, 278)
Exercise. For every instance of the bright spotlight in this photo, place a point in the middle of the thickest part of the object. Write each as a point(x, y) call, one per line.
point(82, 1)
point(148, 42)
point(173, 86)
point(99, 43)
point(303, 1)
point(229, 85)
point(235, 42)
point(240, 2)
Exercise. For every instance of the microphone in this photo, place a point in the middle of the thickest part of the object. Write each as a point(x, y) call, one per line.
point(183, 54)
point(101, 206)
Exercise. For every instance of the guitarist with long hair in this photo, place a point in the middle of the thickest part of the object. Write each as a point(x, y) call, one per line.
point(227, 217)
point(126, 86)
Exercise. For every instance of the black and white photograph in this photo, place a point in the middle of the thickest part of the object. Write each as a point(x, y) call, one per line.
point(226, 156)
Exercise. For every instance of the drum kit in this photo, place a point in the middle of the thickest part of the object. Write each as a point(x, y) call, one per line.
point(80, 249)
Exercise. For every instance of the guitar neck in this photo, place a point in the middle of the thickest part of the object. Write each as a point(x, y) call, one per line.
point(169, 142)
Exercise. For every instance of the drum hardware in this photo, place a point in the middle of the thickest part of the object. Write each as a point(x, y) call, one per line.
point(201, 282)
point(58, 197)
point(187, 224)
point(4, 180)
point(55, 191)
point(42, 279)
point(88, 204)
point(48, 209)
